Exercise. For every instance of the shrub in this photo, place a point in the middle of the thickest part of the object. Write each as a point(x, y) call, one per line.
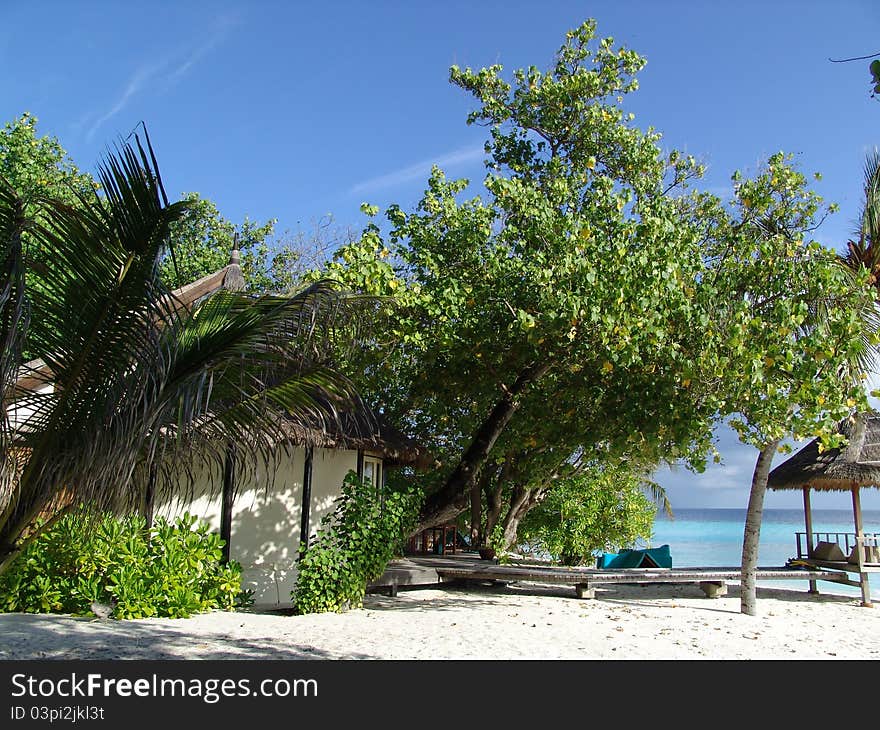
point(170, 570)
point(602, 509)
point(353, 546)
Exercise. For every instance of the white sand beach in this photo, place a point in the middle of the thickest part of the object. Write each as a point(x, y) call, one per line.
point(518, 621)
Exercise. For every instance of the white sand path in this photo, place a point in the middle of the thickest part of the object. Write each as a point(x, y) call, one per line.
point(519, 621)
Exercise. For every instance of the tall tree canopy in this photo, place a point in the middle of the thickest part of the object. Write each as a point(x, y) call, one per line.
point(201, 240)
point(551, 320)
point(588, 308)
point(36, 167)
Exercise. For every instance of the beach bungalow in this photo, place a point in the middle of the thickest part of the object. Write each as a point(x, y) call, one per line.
point(266, 514)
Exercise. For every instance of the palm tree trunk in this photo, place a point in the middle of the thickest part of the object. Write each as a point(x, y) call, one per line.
point(9, 551)
point(8, 554)
point(752, 534)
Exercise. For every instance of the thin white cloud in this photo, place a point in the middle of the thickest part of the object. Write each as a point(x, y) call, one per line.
point(221, 29)
point(134, 85)
point(160, 71)
point(420, 170)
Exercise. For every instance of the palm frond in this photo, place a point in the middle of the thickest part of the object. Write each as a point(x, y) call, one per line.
point(139, 383)
point(864, 249)
point(657, 494)
point(14, 316)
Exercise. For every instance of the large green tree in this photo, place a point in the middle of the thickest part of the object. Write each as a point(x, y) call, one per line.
point(36, 168)
point(587, 310)
point(551, 318)
point(141, 389)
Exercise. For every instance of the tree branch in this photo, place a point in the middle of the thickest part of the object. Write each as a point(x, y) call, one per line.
point(855, 58)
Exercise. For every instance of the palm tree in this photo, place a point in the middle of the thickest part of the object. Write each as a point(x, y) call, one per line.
point(139, 385)
point(865, 249)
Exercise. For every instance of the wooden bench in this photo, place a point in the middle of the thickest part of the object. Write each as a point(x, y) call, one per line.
point(712, 581)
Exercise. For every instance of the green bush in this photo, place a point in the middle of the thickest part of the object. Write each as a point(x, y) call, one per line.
point(353, 546)
point(604, 509)
point(171, 570)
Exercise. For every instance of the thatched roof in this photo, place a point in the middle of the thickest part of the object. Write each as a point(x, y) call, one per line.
point(36, 373)
point(378, 437)
point(369, 434)
point(857, 464)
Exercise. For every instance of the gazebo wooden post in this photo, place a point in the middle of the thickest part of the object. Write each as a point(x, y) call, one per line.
point(860, 549)
point(808, 519)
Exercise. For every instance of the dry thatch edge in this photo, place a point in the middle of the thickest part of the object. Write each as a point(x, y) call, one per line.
point(384, 439)
point(857, 464)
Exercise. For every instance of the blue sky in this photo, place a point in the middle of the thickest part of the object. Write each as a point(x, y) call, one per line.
point(296, 111)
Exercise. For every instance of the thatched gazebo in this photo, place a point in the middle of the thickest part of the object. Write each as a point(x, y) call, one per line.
point(846, 469)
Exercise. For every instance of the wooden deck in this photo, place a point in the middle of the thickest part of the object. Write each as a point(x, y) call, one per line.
point(843, 565)
point(431, 570)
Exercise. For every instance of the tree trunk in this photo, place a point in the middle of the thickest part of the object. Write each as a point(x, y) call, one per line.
point(453, 497)
point(8, 554)
point(522, 501)
point(495, 504)
point(476, 512)
point(479, 531)
point(495, 497)
point(10, 551)
point(518, 499)
point(752, 534)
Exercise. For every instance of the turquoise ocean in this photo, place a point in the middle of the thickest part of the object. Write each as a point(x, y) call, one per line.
point(713, 538)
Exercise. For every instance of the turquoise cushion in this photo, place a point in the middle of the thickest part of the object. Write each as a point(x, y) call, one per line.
point(659, 557)
point(623, 559)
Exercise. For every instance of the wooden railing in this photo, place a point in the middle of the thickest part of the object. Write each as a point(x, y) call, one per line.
point(846, 540)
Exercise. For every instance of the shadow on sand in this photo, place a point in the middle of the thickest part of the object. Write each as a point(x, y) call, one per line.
point(29, 636)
